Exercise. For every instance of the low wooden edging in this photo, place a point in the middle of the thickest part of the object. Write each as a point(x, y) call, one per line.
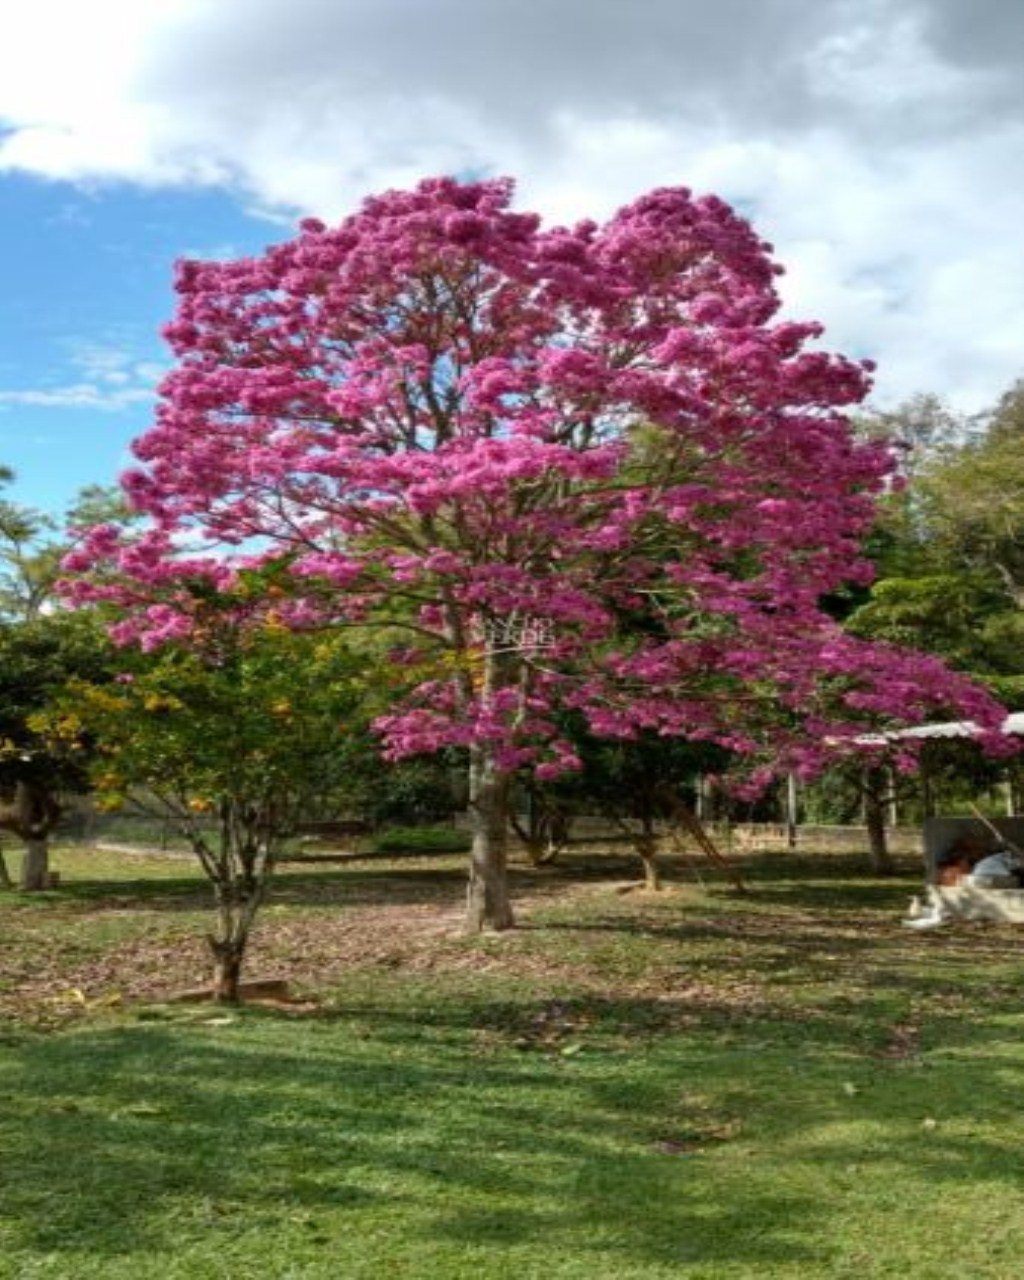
point(257, 989)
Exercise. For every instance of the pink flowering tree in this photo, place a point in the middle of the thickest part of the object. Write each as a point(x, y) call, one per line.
point(582, 469)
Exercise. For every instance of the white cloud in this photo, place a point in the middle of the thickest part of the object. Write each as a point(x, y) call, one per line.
point(79, 395)
point(876, 142)
point(111, 378)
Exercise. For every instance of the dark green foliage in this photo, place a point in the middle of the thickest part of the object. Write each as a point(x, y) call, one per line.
point(950, 547)
point(37, 661)
point(406, 793)
point(421, 840)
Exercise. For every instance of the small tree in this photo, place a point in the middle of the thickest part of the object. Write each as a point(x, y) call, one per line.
point(542, 820)
point(41, 648)
point(231, 740)
point(40, 757)
point(639, 783)
point(522, 437)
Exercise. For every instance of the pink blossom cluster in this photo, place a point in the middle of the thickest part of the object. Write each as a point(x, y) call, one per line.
point(441, 413)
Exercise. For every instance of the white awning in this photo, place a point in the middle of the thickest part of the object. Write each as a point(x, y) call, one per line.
point(1012, 725)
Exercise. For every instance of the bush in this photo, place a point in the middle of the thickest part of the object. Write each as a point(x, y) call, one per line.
point(421, 840)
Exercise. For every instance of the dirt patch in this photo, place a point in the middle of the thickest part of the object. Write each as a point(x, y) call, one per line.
point(51, 979)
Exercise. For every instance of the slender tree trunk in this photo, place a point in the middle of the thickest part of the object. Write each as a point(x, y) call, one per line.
point(239, 892)
point(227, 968)
point(540, 852)
point(1012, 792)
point(875, 790)
point(487, 900)
point(5, 876)
point(792, 811)
point(544, 834)
point(236, 909)
point(35, 864)
point(892, 816)
point(703, 804)
point(646, 846)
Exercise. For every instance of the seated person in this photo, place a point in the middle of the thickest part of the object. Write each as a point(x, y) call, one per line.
point(956, 864)
point(1000, 869)
point(953, 869)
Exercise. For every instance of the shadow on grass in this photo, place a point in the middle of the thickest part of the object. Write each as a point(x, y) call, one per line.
point(353, 887)
point(839, 895)
point(132, 1135)
point(424, 878)
point(808, 950)
point(461, 1124)
point(836, 882)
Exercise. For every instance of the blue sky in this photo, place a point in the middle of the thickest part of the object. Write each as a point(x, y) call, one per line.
point(876, 143)
point(86, 287)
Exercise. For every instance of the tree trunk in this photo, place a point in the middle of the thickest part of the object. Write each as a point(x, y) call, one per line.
point(875, 791)
point(5, 876)
point(646, 846)
point(792, 811)
point(544, 835)
point(892, 808)
point(540, 853)
point(1012, 791)
point(35, 864)
point(704, 802)
point(31, 812)
point(487, 900)
point(227, 968)
point(239, 894)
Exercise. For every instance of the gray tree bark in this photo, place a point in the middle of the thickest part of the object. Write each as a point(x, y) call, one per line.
point(876, 790)
point(646, 845)
point(35, 864)
point(488, 906)
point(227, 968)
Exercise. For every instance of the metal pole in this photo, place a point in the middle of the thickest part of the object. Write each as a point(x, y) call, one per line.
point(791, 810)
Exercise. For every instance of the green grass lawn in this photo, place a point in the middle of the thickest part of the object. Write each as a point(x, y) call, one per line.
point(629, 1085)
